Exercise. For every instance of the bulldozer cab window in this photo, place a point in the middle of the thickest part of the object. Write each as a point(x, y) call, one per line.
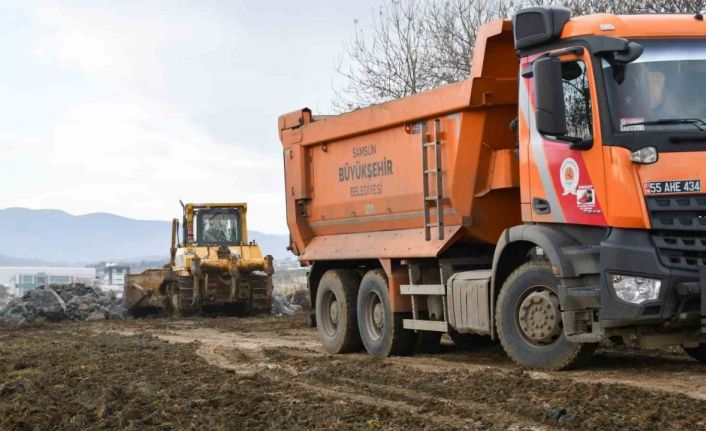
point(218, 227)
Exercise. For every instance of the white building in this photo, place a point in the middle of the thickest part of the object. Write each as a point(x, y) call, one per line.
point(114, 277)
point(21, 279)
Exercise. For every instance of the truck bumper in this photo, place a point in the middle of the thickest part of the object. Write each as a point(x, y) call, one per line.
point(633, 252)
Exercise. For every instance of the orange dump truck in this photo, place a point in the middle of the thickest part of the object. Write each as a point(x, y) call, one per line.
point(551, 200)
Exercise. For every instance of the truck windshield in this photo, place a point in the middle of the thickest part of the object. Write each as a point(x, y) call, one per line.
point(218, 227)
point(663, 90)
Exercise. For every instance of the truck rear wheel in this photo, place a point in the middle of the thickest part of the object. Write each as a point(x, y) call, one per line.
point(380, 329)
point(529, 321)
point(336, 311)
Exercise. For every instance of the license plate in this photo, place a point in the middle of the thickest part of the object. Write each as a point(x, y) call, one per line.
point(676, 186)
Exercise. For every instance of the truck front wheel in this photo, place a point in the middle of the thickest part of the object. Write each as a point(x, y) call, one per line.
point(380, 329)
point(335, 311)
point(529, 323)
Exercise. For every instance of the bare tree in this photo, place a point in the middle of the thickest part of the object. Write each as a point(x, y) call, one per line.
point(451, 27)
point(582, 7)
point(393, 62)
point(415, 45)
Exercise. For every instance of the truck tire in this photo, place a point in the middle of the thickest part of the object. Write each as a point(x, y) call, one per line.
point(529, 323)
point(335, 311)
point(698, 353)
point(380, 329)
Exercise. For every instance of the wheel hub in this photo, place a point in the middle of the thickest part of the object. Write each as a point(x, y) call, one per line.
point(539, 317)
point(374, 316)
point(333, 312)
point(378, 315)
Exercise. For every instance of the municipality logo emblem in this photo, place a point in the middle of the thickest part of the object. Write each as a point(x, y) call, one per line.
point(569, 176)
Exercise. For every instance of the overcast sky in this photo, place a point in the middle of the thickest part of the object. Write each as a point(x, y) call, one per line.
point(127, 106)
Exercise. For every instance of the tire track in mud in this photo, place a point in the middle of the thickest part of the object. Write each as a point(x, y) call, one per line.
point(670, 373)
point(81, 379)
point(265, 356)
point(501, 397)
point(441, 412)
point(467, 390)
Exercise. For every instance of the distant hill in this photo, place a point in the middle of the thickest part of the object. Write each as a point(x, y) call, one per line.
point(16, 261)
point(43, 237)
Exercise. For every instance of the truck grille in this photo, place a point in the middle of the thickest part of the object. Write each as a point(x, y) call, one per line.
point(687, 212)
point(677, 250)
point(679, 230)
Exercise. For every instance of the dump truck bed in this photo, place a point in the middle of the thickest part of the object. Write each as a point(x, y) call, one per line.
point(355, 182)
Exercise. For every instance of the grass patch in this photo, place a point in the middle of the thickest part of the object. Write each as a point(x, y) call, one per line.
point(27, 373)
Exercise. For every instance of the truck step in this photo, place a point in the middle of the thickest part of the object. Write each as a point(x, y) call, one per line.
point(422, 289)
point(425, 325)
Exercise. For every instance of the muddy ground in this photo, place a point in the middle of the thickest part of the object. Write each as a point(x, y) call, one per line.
point(269, 373)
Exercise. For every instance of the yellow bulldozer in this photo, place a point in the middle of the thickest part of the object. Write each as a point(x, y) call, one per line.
point(213, 269)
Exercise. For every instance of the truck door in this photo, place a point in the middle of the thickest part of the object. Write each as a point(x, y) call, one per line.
point(566, 184)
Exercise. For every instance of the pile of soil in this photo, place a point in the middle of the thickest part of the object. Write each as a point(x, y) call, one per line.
point(142, 383)
point(58, 302)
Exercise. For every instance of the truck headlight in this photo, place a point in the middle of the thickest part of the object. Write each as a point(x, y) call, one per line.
point(635, 290)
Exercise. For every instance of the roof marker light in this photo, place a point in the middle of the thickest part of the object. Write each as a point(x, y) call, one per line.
point(607, 27)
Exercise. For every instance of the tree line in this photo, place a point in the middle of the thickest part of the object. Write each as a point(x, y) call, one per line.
point(415, 45)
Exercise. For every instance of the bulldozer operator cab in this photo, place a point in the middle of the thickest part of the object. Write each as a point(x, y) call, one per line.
point(218, 226)
point(214, 225)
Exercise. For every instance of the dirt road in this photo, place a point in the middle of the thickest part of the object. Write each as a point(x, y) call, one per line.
point(270, 373)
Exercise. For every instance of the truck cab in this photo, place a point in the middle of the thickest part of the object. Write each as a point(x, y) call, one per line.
point(612, 137)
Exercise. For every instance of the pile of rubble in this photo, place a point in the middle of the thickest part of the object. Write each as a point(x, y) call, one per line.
point(282, 305)
point(55, 303)
point(300, 297)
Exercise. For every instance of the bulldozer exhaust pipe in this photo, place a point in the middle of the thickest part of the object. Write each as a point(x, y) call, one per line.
point(173, 248)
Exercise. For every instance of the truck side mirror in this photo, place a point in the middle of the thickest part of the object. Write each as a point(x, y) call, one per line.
point(550, 111)
point(632, 52)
